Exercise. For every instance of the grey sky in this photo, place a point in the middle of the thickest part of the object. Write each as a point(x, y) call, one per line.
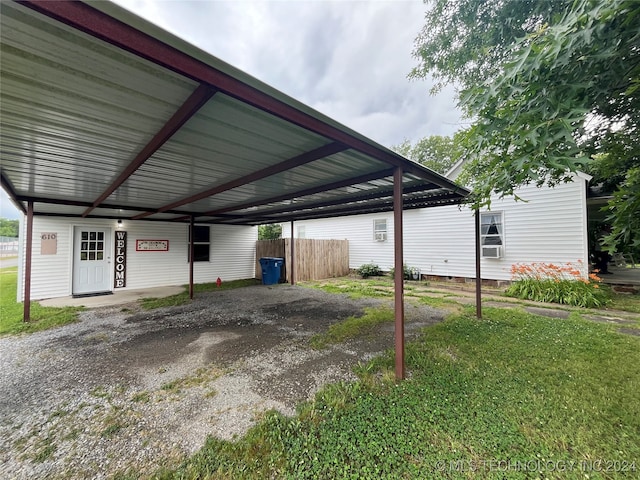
point(347, 59)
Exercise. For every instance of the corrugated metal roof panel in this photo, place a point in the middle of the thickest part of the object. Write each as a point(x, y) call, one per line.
point(225, 140)
point(86, 101)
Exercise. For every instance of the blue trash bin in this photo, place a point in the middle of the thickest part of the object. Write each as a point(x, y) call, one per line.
point(271, 270)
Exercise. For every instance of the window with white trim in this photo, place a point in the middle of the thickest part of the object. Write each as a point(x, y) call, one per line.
point(201, 243)
point(492, 234)
point(380, 230)
point(302, 231)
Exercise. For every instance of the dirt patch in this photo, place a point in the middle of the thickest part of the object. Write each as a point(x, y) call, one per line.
point(124, 388)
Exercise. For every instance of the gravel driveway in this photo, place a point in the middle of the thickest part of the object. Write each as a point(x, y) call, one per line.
point(128, 389)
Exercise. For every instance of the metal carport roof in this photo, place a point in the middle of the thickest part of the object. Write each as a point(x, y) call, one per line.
point(105, 115)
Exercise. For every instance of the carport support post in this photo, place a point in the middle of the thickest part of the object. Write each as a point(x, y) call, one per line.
point(399, 272)
point(478, 272)
point(191, 257)
point(292, 266)
point(27, 264)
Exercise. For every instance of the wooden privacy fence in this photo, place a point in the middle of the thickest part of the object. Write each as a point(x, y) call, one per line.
point(315, 259)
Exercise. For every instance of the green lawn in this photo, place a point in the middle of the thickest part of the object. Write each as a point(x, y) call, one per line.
point(511, 396)
point(625, 302)
point(11, 312)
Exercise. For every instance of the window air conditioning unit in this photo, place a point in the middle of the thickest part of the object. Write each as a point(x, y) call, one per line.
point(492, 252)
point(381, 236)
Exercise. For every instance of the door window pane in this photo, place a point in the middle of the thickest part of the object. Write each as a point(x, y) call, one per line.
point(92, 250)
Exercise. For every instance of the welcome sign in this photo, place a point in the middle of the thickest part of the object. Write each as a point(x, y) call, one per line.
point(120, 279)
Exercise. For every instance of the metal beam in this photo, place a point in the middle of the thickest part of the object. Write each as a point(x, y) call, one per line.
point(303, 193)
point(387, 206)
point(386, 193)
point(399, 273)
point(80, 203)
point(92, 21)
point(298, 160)
point(293, 256)
point(476, 215)
point(27, 264)
point(380, 205)
point(191, 252)
point(196, 100)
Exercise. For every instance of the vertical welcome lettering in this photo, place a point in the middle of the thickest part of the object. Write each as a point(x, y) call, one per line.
point(121, 260)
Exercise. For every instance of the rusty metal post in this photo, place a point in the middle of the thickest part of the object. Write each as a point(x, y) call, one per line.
point(478, 272)
point(399, 273)
point(27, 264)
point(292, 266)
point(191, 252)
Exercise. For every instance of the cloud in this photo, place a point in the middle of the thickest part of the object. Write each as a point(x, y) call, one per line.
point(7, 208)
point(349, 60)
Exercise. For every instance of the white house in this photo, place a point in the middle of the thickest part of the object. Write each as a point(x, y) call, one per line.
point(550, 227)
point(74, 256)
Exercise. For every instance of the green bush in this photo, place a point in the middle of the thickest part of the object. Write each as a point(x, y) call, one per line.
point(405, 270)
point(564, 284)
point(369, 270)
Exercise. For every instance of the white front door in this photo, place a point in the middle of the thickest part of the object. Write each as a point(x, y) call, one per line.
point(91, 260)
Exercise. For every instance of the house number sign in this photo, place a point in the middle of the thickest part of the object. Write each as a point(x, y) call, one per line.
point(48, 243)
point(152, 245)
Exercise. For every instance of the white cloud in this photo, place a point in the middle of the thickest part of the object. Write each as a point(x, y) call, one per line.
point(7, 209)
point(347, 59)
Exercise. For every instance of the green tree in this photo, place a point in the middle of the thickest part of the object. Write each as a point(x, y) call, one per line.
point(439, 153)
point(552, 87)
point(269, 232)
point(9, 228)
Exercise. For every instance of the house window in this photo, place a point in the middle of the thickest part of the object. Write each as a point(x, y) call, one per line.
point(302, 231)
point(492, 234)
point(92, 246)
point(201, 244)
point(380, 230)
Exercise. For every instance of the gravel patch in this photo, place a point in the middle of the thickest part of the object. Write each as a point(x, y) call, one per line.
point(130, 390)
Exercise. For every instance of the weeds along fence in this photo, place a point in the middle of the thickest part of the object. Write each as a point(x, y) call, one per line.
point(315, 259)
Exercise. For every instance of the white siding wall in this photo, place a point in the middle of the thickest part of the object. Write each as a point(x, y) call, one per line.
point(232, 255)
point(550, 227)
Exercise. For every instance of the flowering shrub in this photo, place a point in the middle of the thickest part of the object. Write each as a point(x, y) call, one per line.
point(369, 270)
point(547, 282)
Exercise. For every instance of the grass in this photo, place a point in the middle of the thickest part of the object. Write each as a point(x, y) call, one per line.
point(513, 387)
point(625, 302)
point(352, 327)
point(201, 377)
point(355, 288)
point(44, 450)
point(11, 312)
point(382, 287)
point(183, 298)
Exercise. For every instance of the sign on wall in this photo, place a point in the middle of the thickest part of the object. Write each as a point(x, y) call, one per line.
point(152, 245)
point(48, 243)
point(120, 271)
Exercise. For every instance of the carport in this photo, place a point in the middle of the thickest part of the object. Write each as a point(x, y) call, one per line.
point(104, 115)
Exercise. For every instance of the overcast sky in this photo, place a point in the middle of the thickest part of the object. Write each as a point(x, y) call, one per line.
point(347, 59)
